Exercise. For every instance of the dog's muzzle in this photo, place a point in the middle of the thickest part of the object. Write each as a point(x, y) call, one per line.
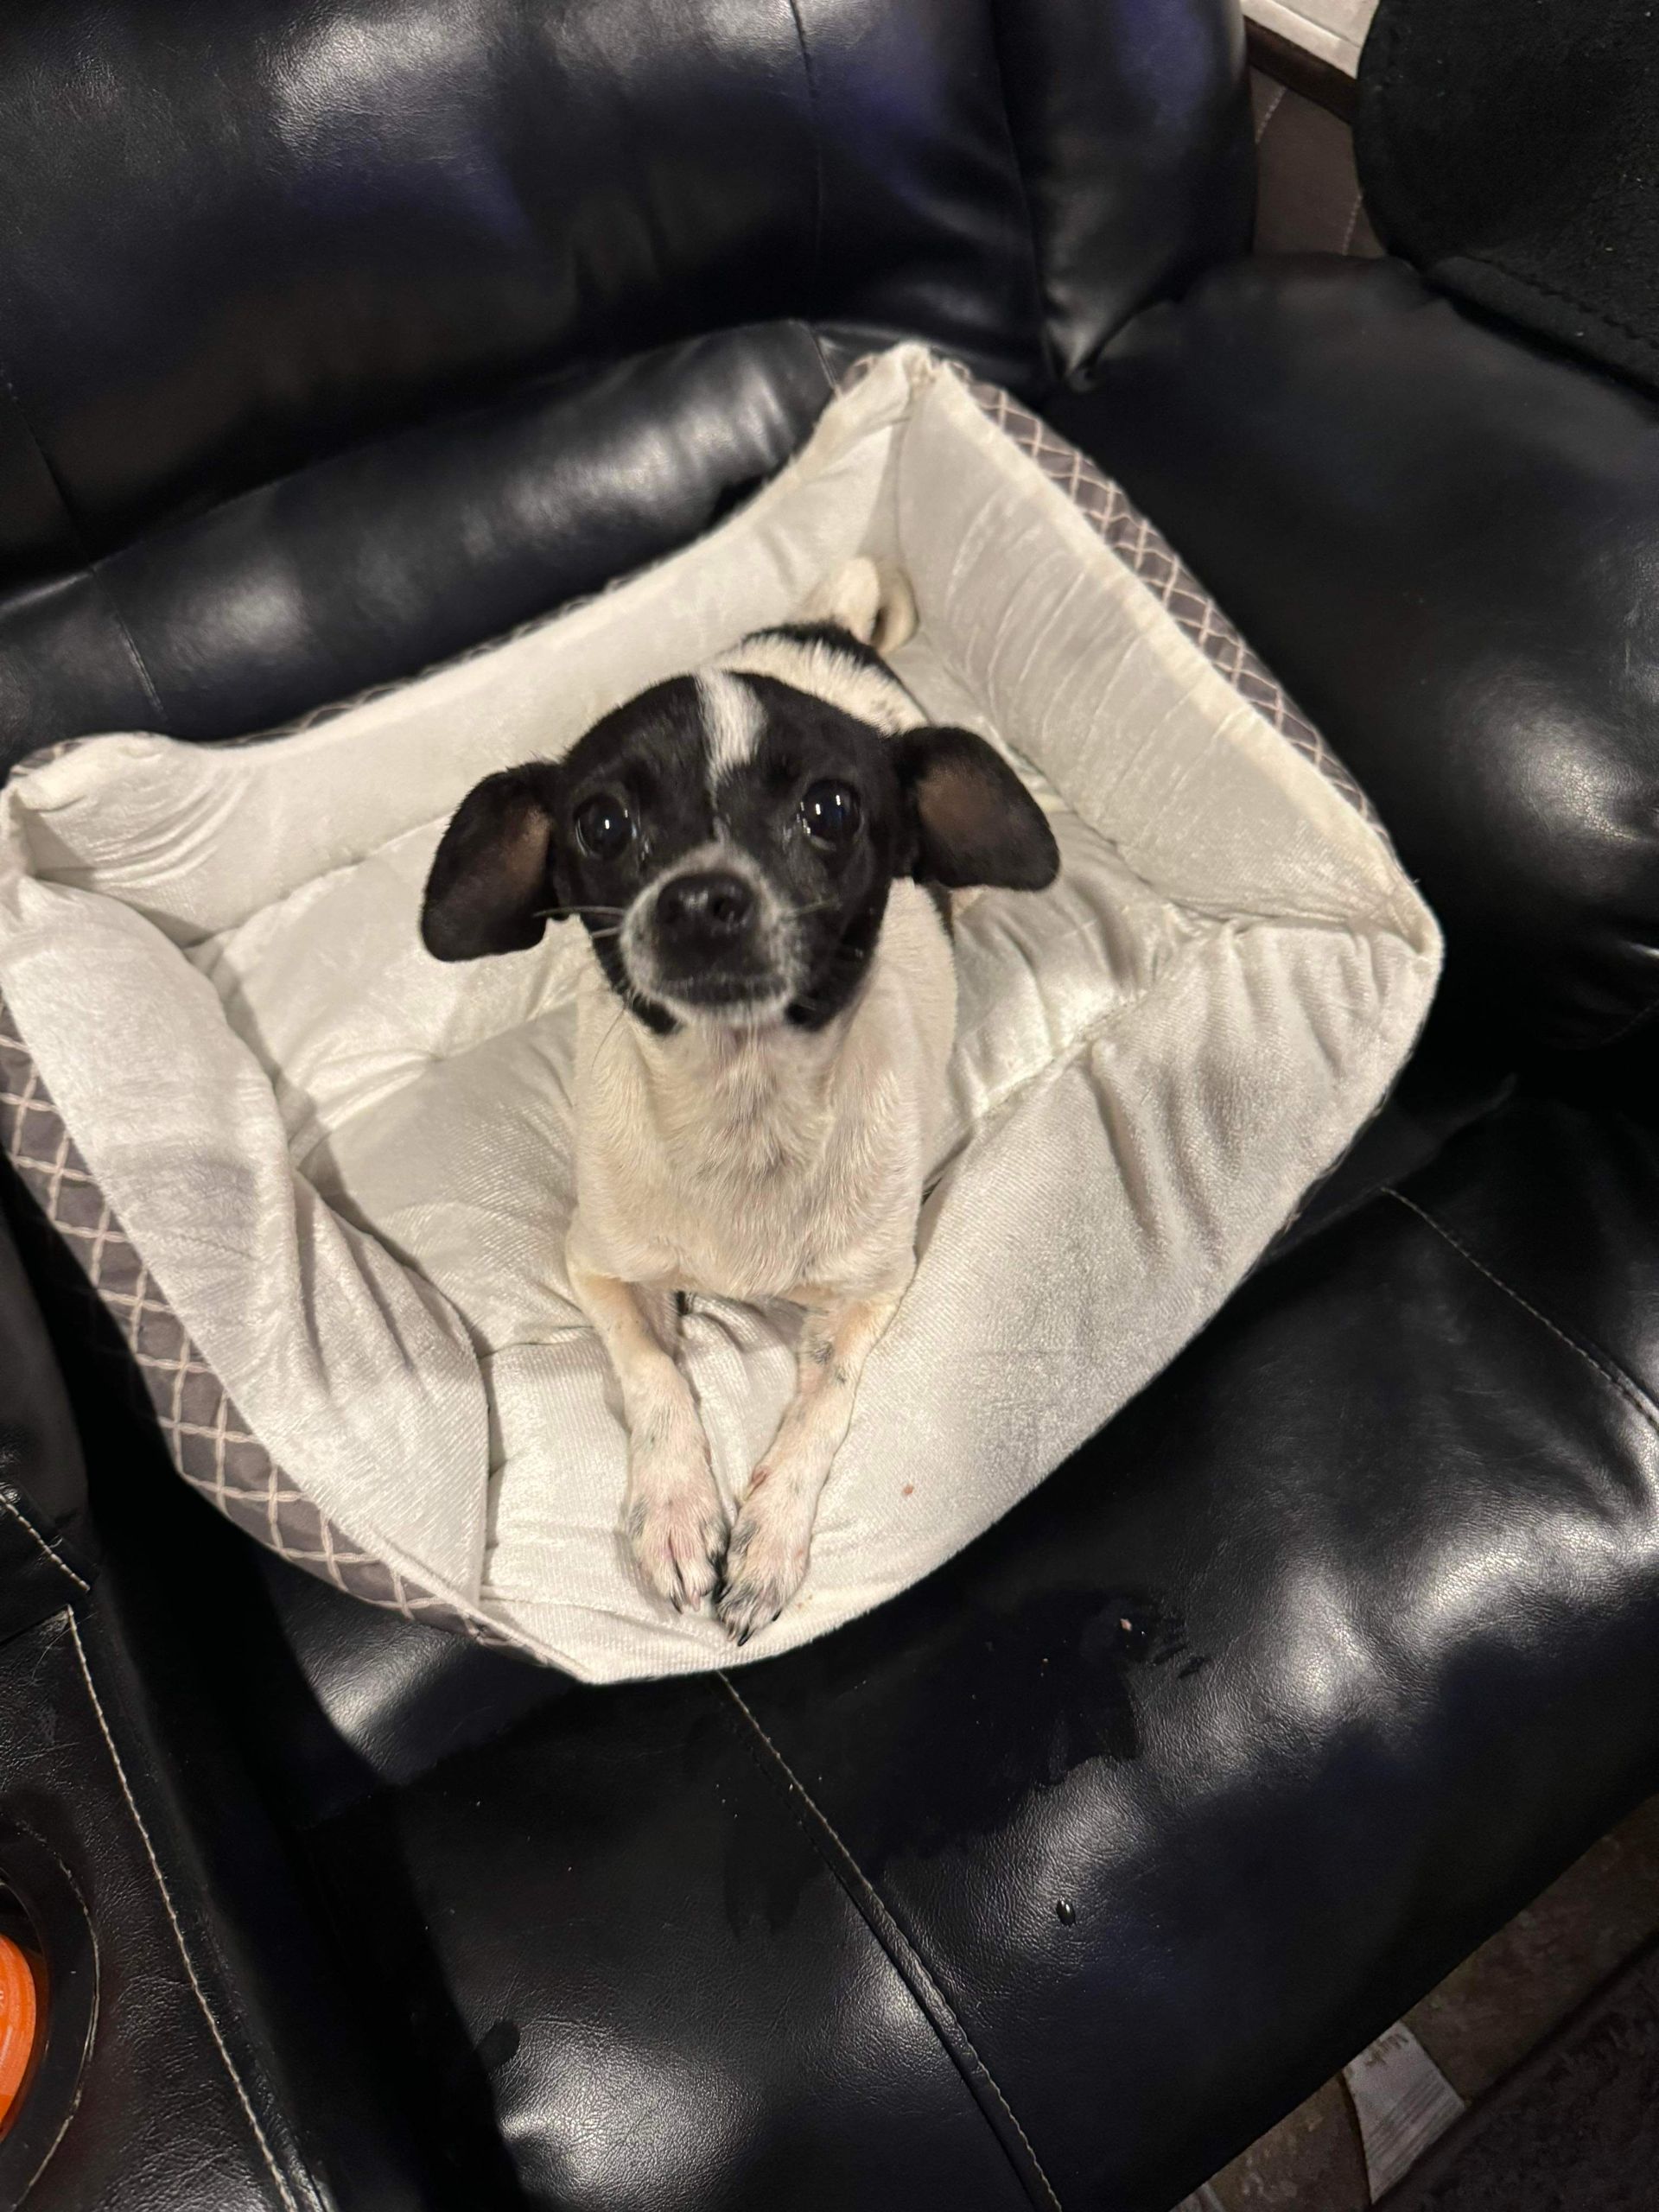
point(705, 912)
point(708, 938)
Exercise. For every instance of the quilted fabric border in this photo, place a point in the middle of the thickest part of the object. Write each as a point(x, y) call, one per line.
point(1144, 550)
point(208, 1441)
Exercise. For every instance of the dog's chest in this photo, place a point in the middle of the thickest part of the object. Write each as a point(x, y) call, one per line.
point(746, 1168)
point(746, 1179)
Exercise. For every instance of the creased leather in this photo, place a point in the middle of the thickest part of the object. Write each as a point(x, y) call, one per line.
point(1383, 1539)
point(253, 251)
point(1297, 1682)
point(364, 568)
point(1443, 542)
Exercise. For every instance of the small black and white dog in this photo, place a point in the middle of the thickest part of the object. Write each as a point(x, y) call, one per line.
point(748, 847)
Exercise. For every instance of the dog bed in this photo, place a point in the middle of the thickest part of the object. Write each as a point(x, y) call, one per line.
point(322, 1180)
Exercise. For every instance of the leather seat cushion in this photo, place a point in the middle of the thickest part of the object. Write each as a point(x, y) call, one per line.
point(1296, 1683)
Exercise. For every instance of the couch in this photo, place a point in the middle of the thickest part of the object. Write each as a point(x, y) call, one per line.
point(338, 335)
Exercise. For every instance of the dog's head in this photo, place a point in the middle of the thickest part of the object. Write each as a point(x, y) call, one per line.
point(730, 840)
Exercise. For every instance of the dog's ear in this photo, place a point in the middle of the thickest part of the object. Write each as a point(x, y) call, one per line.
point(973, 820)
point(491, 888)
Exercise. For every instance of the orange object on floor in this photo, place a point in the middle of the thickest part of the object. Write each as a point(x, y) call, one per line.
point(17, 2023)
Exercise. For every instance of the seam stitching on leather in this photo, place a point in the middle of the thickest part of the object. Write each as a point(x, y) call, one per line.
point(818, 147)
point(882, 1924)
point(1545, 289)
point(95, 570)
point(1391, 34)
point(1626, 1028)
point(1039, 273)
point(47, 1550)
point(92, 567)
point(1273, 108)
point(246, 2102)
point(1628, 1389)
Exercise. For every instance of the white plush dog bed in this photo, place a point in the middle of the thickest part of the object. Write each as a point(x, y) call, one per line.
point(324, 1180)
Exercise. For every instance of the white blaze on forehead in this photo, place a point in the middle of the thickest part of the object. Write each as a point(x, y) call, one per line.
point(859, 686)
point(731, 723)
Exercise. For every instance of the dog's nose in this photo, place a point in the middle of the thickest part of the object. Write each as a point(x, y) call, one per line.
point(709, 903)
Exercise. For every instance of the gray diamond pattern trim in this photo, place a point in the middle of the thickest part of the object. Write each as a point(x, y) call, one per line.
point(209, 1442)
point(1160, 568)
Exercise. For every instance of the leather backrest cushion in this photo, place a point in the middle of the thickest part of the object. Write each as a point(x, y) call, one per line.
point(374, 562)
point(243, 233)
point(1445, 543)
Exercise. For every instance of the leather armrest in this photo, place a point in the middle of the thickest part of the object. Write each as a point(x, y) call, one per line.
point(1446, 544)
point(42, 1481)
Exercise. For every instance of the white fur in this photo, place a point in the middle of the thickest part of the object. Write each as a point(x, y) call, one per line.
point(755, 1162)
point(731, 721)
point(745, 1161)
point(869, 694)
point(873, 604)
point(751, 1158)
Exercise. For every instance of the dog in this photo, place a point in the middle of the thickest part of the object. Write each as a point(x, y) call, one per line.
point(763, 1030)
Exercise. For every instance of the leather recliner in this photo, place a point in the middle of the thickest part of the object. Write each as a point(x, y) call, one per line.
point(337, 335)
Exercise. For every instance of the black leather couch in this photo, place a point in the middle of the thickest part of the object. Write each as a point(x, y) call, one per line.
point(338, 334)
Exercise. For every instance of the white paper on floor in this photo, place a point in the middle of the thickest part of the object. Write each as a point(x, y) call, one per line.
point(1331, 30)
point(1402, 2102)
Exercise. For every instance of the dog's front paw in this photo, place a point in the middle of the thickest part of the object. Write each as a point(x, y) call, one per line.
point(678, 1542)
point(765, 1558)
point(676, 1523)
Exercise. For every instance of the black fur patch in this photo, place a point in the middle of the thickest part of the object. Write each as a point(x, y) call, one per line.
point(939, 806)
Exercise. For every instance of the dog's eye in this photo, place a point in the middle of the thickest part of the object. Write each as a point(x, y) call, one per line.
point(830, 812)
point(604, 824)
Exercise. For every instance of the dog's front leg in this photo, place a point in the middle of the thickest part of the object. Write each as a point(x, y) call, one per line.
point(674, 1518)
point(772, 1534)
